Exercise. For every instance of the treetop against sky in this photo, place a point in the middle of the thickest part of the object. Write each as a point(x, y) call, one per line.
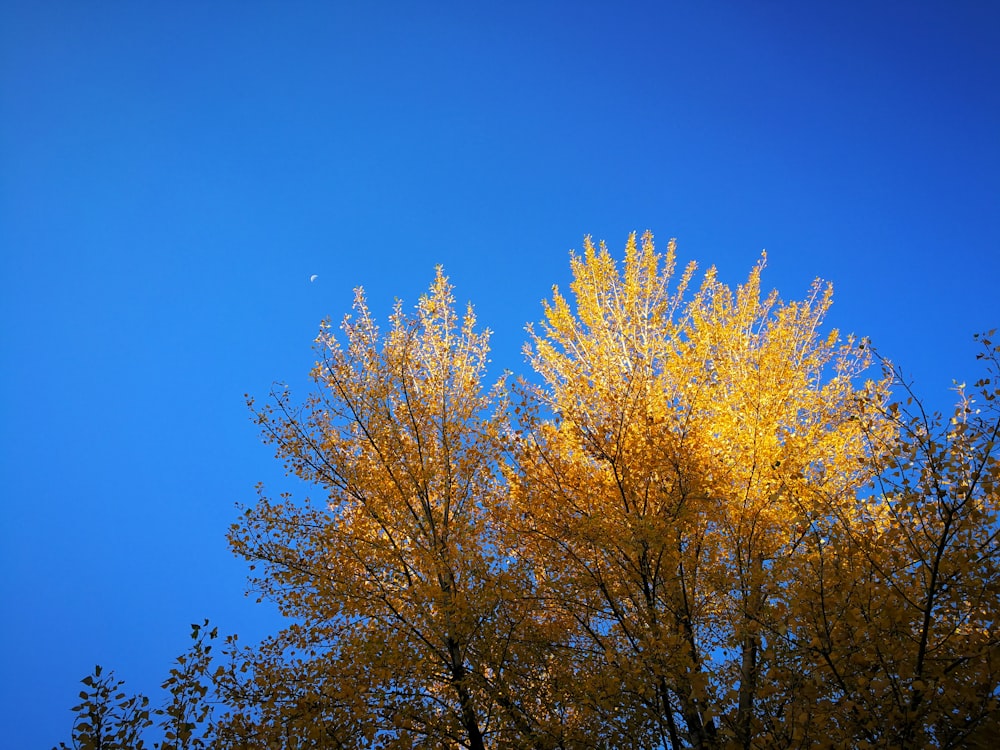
point(174, 175)
point(703, 525)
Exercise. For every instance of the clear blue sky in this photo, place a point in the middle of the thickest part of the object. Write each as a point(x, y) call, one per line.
point(171, 174)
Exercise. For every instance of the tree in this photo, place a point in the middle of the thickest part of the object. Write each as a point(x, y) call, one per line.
point(693, 446)
point(402, 582)
point(904, 606)
point(701, 523)
point(108, 718)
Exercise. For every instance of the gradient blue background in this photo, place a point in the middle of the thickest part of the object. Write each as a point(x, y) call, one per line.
point(171, 174)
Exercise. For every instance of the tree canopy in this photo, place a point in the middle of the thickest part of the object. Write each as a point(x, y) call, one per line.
point(700, 521)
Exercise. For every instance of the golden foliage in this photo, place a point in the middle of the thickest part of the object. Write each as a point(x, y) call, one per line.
point(696, 445)
point(702, 524)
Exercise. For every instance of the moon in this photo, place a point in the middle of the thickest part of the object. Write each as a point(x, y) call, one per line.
point(313, 277)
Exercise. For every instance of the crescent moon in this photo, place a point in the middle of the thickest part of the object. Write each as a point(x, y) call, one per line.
point(313, 277)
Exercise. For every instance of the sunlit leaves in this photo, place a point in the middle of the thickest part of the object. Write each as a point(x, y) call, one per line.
point(698, 490)
point(701, 523)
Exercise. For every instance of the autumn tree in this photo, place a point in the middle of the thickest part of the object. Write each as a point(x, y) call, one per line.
point(691, 445)
point(902, 604)
point(401, 580)
point(700, 522)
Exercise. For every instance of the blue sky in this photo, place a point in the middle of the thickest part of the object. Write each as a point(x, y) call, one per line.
point(171, 174)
